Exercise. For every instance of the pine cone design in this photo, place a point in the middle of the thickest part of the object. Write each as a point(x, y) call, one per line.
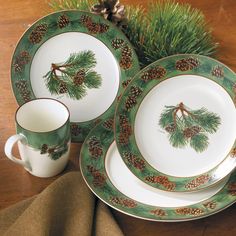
point(117, 43)
point(170, 128)
point(126, 51)
point(85, 20)
point(63, 21)
point(22, 87)
point(232, 189)
point(162, 180)
point(130, 102)
point(158, 212)
point(38, 33)
point(126, 83)
point(157, 72)
point(191, 131)
point(95, 147)
point(21, 60)
point(210, 205)
point(197, 182)
point(108, 124)
point(93, 28)
point(62, 88)
point(138, 163)
point(123, 202)
point(125, 63)
point(79, 77)
point(233, 152)
point(187, 64)
point(75, 130)
point(135, 91)
point(44, 149)
point(103, 28)
point(189, 211)
point(98, 178)
point(218, 71)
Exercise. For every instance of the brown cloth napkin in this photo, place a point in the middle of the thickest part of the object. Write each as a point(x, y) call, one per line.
point(66, 207)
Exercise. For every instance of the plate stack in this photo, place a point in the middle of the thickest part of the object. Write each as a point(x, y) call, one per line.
point(159, 144)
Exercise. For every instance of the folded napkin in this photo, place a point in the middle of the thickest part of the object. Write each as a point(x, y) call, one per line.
point(66, 207)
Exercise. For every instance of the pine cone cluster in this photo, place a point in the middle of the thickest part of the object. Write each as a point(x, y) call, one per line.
point(22, 87)
point(117, 43)
point(189, 211)
point(125, 130)
point(98, 178)
point(191, 131)
point(233, 152)
point(126, 83)
point(170, 128)
point(162, 180)
point(38, 33)
point(158, 212)
point(197, 182)
point(111, 10)
point(79, 77)
point(123, 202)
point(44, 149)
point(93, 27)
point(138, 163)
point(131, 101)
point(108, 124)
point(210, 205)
point(62, 88)
point(157, 72)
point(232, 189)
point(187, 64)
point(75, 130)
point(218, 71)
point(95, 147)
point(126, 57)
point(21, 60)
point(63, 21)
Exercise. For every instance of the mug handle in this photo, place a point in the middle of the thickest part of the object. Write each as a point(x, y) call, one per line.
point(8, 150)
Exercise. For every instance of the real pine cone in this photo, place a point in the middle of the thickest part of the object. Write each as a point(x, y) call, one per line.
point(63, 21)
point(117, 43)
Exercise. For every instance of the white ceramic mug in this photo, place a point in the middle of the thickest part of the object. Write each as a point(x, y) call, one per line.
point(43, 137)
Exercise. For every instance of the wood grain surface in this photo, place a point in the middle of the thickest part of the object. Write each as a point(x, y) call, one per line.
point(16, 184)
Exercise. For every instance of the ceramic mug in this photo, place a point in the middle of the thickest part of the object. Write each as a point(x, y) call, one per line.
point(43, 137)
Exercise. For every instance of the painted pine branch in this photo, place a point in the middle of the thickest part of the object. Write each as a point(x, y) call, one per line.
point(74, 76)
point(185, 126)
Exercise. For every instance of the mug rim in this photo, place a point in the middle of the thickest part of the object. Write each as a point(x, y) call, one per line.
point(42, 132)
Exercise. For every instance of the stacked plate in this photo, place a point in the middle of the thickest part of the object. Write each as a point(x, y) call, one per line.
point(169, 152)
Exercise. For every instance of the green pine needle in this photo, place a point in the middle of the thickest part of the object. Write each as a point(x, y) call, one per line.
point(199, 142)
point(177, 139)
point(185, 126)
point(74, 76)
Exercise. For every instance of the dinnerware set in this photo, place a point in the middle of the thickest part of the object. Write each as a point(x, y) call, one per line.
point(158, 143)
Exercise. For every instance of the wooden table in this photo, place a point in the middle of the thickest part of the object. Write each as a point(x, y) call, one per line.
point(16, 184)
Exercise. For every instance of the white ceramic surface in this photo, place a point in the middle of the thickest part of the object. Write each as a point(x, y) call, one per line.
point(57, 49)
point(193, 91)
point(134, 188)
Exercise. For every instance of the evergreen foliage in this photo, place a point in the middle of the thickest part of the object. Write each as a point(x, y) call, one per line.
point(165, 28)
point(74, 76)
point(186, 126)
